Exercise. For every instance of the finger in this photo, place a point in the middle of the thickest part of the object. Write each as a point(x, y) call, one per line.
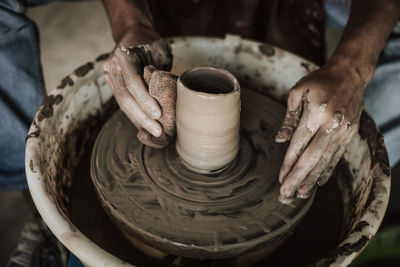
point(162, 87)
point(135, 113)
point(114, 79)
point(129, 106)
point(312, 178)
point(299, 141)
point(350, 131)
point(148, 71)
point(335, 129)
point(288, 126)
point(331, 167)
point(156, 142)
point(132, 73)
point(305, 163)
point(292, 117)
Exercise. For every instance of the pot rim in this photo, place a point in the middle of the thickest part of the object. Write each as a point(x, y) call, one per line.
point(228, 74)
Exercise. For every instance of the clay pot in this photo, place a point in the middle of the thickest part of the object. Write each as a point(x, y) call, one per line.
point(207, 118)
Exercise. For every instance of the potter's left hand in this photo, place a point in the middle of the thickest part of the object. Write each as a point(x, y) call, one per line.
point(323, 112)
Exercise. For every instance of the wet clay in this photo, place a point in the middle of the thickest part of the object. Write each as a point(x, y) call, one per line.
point(207, 81)
point(316, 234)
point(155, 199)
point(207, 118)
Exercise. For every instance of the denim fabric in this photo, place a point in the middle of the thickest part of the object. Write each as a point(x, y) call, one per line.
point(382, 94)
point(74, 261)
point(382, 97)
point(21, 90)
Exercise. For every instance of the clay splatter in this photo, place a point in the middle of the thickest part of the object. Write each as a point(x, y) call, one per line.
point(83, 70)
point(66, 81)
point(306, 66)
point(46, 110)
point(266, 50)
point(102, 57)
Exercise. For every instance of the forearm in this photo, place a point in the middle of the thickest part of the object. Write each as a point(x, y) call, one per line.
point(126, 14)
point(364, 37)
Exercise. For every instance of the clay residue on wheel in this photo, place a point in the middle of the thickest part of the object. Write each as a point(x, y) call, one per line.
point(216, 216)
point(324, 220)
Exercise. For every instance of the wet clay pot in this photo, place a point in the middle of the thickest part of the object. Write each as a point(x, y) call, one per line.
point(70, 117)
point(207, 118)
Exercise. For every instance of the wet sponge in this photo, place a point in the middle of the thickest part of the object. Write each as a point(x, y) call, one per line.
point(162, 87)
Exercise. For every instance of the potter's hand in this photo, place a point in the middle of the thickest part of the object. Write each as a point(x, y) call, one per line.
point(137, 48)
point(323, 112)
point(324, 108)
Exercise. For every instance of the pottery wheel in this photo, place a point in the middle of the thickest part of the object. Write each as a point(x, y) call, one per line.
point(153, 198)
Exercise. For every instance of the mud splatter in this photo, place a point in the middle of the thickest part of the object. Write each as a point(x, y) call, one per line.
point(306, 66)
point(102, 57)
point(31, 166)
point(33, 134)
point(266, 50)
point(66, 81)
point(83, 70)
point(46, 110)
point(361, 225)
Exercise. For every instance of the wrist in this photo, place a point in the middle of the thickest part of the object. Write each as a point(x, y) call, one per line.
point(135, 33)
point(361, 69)
point(125, 16)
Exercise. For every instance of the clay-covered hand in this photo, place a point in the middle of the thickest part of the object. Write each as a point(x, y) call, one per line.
point(137, 48)
point(323, 113)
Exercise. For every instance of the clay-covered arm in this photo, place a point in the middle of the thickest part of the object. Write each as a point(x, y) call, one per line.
point(324, 108)
point(137, 45)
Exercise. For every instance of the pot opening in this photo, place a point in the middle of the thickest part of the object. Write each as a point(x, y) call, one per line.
point(209, 80)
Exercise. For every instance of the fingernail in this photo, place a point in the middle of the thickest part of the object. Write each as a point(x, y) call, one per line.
point(279, 138)
point(282, 135)
point(155, 130)
point(322, 181)
point(286, 201)
point(287, 191)
point(303, 196)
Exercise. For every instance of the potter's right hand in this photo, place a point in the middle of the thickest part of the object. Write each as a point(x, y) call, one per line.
point(137, 48)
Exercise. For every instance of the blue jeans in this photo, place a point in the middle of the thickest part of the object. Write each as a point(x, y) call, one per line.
point(21, 88)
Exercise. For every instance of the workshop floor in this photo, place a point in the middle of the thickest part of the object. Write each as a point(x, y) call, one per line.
point(71, 34)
